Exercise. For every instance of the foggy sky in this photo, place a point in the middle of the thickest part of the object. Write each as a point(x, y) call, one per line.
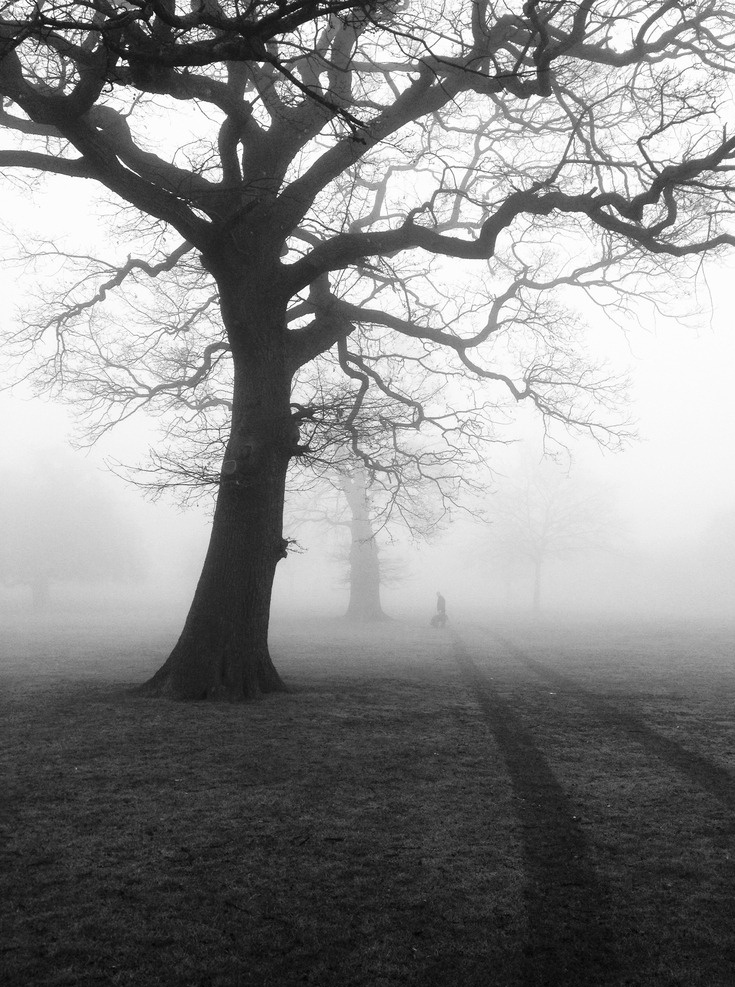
point(671, 487)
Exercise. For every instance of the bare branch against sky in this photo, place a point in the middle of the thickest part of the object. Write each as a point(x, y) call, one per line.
point(383, 193)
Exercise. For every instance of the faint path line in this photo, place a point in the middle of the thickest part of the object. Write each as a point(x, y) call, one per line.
point(712, 777)
point(571, 941)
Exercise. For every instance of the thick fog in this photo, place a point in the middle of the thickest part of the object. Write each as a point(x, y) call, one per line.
point(664, 542)
point(664, 545)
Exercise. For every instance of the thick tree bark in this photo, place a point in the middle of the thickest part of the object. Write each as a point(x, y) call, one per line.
point(223, 650)
point(364, 604)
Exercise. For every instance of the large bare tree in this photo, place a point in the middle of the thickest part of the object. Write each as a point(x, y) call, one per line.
point(361, 182)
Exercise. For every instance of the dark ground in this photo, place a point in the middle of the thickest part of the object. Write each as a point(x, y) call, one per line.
point(509, 805)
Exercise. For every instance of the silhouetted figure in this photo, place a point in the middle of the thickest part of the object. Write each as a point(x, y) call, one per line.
point(440, 617)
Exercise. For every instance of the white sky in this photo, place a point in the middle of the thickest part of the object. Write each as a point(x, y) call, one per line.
point(684, 463)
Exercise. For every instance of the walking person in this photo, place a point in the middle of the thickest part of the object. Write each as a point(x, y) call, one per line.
point(440, 617)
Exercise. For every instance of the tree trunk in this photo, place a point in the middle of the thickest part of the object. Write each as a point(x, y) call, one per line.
point(222, 652)
point(364, 602)
point(364, 563)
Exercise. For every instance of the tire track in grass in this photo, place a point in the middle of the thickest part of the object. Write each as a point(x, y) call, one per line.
point(706, 774)
point(570, 937)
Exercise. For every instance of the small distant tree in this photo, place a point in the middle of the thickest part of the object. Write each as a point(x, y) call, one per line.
point(544, 514)
point(58, 524)
point(413, 509)
point(364, 563)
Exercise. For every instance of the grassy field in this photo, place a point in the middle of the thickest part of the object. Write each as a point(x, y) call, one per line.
point(499, 805)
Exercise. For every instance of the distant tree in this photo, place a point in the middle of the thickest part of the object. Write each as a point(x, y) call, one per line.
point(376, 507)
point(292, 148)
point(417, 510)
point(58, 524)
point(542, 514)
point(364, 562)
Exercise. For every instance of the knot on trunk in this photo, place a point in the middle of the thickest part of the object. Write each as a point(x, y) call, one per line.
point(238, 471)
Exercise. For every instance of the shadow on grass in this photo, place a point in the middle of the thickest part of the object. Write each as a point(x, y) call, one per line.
point(570, 937)
point(716, 780)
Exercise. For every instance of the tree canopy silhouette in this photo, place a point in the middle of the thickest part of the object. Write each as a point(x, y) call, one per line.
point(377, 187)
